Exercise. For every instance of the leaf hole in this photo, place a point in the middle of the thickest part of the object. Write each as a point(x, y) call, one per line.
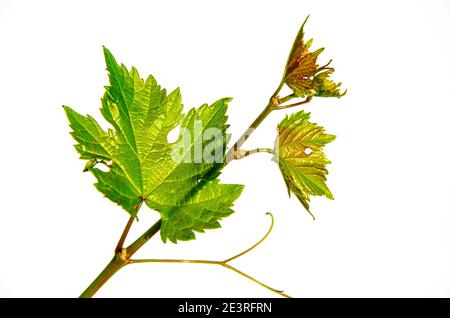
point(308, 151)
point(102, 167)
point(172, 136)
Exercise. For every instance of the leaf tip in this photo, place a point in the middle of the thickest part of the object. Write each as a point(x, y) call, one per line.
point(343, 94)
point(105, 50)
point(319, 51)
point(109, 59)
point(304, 22)
point(331, 138)
point(329, 195)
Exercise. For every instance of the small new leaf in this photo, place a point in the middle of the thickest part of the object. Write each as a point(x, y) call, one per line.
point(140, 162)
point(299, 153)
point(302, 73)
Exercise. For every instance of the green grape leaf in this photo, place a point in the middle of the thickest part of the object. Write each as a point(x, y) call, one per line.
point(302, 73)
point(300, 157)
point(178, 179)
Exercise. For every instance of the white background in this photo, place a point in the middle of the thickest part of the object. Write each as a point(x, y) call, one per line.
point(386, 234)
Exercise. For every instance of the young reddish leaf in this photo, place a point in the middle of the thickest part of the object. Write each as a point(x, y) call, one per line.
point(302, 73)
point(299, 153)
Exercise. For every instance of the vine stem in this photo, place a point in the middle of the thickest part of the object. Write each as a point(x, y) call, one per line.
point(244, 153)
point(233, 151)
point(124, 235)
point(223, 263)
point(275, 103)
point(126, 230)
point(307, 100)
point(123, 255)
point(119, 260)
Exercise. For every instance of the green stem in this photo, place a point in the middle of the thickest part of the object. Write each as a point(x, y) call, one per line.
point(245, 153)
point(184, 261)
point(126, 230)
point(113, 267)
point(305, 101)
point(136, 245)
point(119, 260)
point(285, 99)
point(233, 151)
